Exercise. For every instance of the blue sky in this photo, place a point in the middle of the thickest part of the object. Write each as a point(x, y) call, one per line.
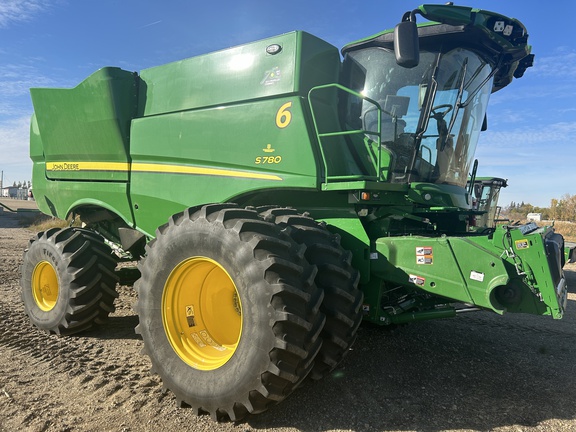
point(58, 43)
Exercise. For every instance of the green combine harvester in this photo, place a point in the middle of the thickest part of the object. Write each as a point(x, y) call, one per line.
point(275, 195)
point(485, 192)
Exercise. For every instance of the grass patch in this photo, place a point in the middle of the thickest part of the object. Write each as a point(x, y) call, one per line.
point(44, 223)
point(567, 229)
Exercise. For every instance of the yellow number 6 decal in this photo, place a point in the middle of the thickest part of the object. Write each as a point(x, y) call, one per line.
point(284, 116)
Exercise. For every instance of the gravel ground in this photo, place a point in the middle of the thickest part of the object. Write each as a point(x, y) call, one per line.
point(476, 372)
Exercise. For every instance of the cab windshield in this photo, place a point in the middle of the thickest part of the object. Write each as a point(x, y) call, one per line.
point(431, 115)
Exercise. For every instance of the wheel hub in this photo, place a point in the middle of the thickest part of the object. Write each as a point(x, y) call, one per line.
point(45, 286)
point(202, 313)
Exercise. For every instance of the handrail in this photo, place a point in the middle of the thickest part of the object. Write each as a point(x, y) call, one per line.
point(321, 135)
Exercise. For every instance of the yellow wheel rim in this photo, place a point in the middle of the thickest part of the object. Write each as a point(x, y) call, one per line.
point(201, 313)
point(45, 286)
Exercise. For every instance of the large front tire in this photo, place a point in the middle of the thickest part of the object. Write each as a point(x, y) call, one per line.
point(228, 310)
point(68, 281)
point(342, 302)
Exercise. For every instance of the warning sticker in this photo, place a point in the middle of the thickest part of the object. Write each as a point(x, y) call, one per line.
point(198, 340)
point(522, 244)
point(271, 76)
point(190, 316)
point(424, 255)
point(425, 259)
point(420, 281)
point(206, 337)
point(477, 276)
point(423, 250)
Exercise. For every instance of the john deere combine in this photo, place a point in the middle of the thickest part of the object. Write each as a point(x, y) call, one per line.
point(485, 192)
point(275, 195)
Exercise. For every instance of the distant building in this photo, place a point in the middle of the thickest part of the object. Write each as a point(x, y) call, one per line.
point(534, 217)
point(10, 192)
point(14, 192)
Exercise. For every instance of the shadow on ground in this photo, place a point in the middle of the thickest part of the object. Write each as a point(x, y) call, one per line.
point(477, 371)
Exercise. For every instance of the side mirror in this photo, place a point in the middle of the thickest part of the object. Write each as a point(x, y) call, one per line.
point(406, 46)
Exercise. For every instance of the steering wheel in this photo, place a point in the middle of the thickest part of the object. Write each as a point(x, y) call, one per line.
point(436, 112)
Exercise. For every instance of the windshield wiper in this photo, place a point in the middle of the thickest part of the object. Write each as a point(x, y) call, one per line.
point(482, 84)
point(428, 103)
point(458, 103)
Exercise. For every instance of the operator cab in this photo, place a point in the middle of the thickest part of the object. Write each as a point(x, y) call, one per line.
point(431, 115)
point(432, 109)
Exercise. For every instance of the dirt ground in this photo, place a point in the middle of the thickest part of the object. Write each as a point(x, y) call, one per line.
point(476, 372)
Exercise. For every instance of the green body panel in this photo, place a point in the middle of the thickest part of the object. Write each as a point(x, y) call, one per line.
point(87, 124)
point(240, 74)
point(218, 163)
point(194, 121)
point(404, 259)
point(528, 244)
point(470, 269)
point(272, 123)
point(353, 238)
point(58, 198)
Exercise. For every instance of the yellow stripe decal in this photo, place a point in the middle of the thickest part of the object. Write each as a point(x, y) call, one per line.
point(156, 168)
point(181, 169)
point(87, 166)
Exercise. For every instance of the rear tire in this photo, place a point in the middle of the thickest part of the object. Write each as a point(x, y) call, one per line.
point(228, 310)
point(342, 302)
point(68, 281)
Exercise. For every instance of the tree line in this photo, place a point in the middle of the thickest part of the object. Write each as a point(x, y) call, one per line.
point(560, 209)
point(24, 184)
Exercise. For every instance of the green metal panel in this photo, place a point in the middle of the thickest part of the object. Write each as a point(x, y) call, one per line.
point(58, 198)
point(85, 130)
point(55, 200)
point(439, 195)
point(423, 262)
point(529, 253)
point(242, 73)
point(223, 125)
point(354, 238)
point(218, 126)
point(214, 155)
point(508, 271)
